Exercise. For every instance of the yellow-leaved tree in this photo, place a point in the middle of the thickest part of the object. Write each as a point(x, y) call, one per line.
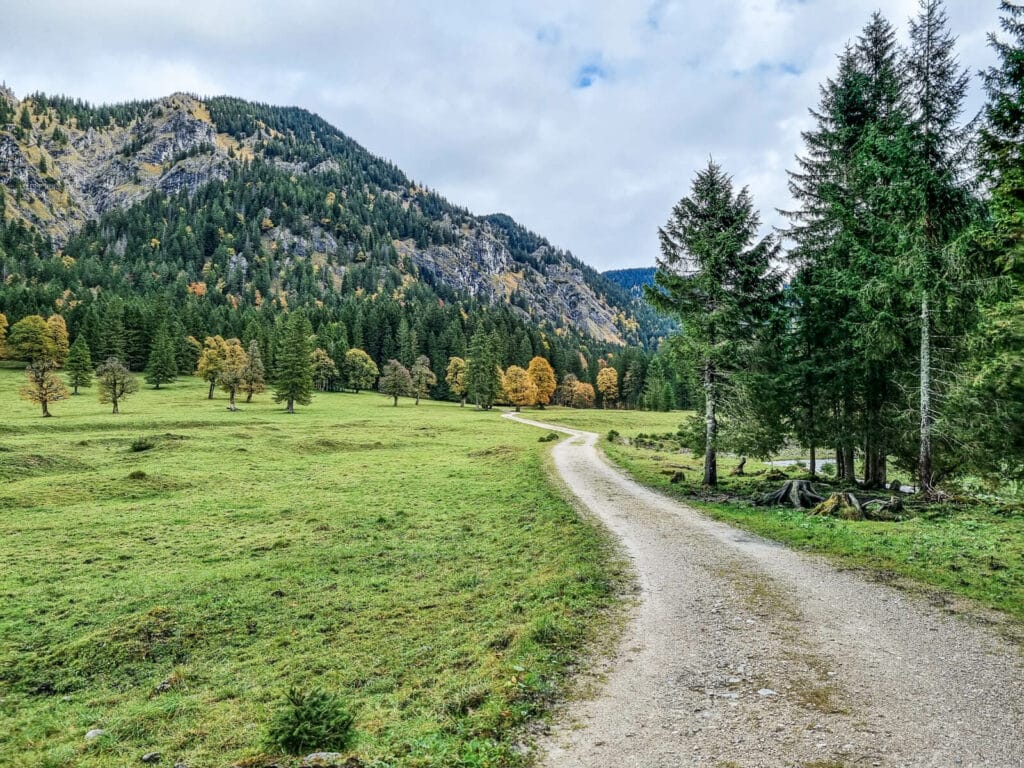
point(519, 387)
point(608, 385)
point(211, 361)
point(544, 380)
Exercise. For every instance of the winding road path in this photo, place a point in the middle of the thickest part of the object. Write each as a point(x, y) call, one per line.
point(742, 652)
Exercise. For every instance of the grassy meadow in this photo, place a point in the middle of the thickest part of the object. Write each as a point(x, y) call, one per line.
point(409, 559)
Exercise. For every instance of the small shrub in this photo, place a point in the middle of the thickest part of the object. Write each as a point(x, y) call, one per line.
point(141, 444)
point(613, 435)
point(828, 469)
point(311, 721)
point(137, 474)
point(550, 437)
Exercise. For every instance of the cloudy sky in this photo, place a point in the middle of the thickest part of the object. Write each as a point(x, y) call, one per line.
point(584, 120)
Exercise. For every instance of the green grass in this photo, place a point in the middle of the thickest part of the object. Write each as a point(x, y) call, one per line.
point(407, 559)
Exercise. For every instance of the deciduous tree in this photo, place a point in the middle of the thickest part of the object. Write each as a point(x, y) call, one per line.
point(395, 380)
point(232, 372)
point(30, 340)
point(115, 382)
point(253, 374)
point(543, 376)
point(211, 361)
point(519, 387)
point(360, 370)
point(455, 376)
point(324, 369)
point(59, 343)
point(43, 386)
point(582, 395)
point(608, 385)
point(423, 378)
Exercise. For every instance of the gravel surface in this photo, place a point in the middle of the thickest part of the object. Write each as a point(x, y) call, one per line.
point(742, 652)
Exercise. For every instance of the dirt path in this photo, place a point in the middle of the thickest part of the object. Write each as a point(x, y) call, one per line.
point(742, 652)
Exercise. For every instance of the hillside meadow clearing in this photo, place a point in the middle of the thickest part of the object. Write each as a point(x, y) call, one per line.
point(170, 573)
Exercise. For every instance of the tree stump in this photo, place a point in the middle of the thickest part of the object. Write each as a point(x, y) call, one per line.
point(799, 494)
point(738, 469)
point(845, 506)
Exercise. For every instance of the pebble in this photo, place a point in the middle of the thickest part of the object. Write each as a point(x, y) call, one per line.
point(766, 692)
point(95, 733)
point(151, 757)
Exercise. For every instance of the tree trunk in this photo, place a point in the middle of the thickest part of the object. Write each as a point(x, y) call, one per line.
point(210, 396)
point(417, 400)
point(710, 427)
point(248, 397)
point(518, 409)
point(814, 460)
point(114, 400)
point(231, 401)
point(291, 405)
point(462, 402)
point(46, 409)
point(924, 463)
point(157, 385)
point(396, 401)
point(840, 463)
point(75, 390)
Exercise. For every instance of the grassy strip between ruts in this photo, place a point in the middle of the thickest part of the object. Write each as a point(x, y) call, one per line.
point(169, 573)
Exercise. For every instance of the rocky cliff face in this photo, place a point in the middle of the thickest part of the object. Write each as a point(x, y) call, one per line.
point(57, 175)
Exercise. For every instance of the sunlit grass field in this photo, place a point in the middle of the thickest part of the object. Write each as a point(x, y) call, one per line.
point(411, 559)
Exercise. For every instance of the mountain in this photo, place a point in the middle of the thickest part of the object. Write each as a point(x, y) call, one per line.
point(249, 203)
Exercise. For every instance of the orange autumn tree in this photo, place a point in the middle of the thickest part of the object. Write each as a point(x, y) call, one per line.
point(519, 387)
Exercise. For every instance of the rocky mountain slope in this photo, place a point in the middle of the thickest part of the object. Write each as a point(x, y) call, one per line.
point(64, 163)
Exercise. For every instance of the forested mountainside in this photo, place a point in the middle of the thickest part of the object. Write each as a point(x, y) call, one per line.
point(632, 280)
point(293, 210)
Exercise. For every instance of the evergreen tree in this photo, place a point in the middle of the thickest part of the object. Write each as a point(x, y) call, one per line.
point(79, 365)
point(483, 376)
point(112, 335)
point(293, 377)
point(162, 367)
point(719, 282)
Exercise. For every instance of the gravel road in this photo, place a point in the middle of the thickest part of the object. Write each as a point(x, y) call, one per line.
point(742, 652)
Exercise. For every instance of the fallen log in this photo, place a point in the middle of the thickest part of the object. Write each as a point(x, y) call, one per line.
point(799, 494)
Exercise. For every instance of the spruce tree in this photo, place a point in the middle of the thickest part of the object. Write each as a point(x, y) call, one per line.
point(483, 377)
point(293, 377)
point(79, 365)
point(716, 277)
point(162, 367)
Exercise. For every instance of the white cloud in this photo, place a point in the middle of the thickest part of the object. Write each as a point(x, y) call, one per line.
point(484, 102)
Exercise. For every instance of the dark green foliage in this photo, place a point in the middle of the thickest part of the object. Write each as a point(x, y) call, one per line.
point(550, 437)
point(140, 444)
point(313, 721)
point(293, 377)
point(483, 379)
point(717, 279)
point(79, 365)
point(162, 367)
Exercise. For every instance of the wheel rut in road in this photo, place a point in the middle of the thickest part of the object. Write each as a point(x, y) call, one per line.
point(741, 652)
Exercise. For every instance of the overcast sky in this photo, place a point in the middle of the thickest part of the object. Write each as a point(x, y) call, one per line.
point(584, 120)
